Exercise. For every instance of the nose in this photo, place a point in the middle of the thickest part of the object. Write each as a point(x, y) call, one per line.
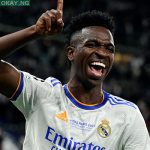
point(99, 55)
point(102, 51)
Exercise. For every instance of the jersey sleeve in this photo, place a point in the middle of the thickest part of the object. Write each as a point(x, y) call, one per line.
point(31, 92)
point(137, 136)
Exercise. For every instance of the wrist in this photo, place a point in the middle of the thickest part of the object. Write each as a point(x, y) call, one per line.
point(33, 32)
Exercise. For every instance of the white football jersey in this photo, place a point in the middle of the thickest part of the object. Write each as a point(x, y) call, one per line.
point(56, 120)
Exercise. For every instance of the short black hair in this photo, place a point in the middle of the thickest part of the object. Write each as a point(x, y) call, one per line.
point(89, 18)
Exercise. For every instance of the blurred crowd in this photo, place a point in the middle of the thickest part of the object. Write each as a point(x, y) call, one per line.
point(130, 74)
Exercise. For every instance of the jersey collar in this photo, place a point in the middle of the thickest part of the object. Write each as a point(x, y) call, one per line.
point(81, 105)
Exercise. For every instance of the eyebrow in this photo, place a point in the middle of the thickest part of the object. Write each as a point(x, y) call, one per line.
point(99, 42)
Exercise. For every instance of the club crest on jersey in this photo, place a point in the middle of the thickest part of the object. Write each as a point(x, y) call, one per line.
point(104, 129)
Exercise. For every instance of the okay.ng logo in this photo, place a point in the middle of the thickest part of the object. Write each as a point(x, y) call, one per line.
point(14, 2)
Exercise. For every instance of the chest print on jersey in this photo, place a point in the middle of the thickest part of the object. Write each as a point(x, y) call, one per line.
point(104, 129)
point(81, 125)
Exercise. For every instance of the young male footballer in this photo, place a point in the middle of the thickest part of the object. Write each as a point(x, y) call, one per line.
point(79, 115)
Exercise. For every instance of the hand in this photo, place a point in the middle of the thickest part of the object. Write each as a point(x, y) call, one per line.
point(51, 21)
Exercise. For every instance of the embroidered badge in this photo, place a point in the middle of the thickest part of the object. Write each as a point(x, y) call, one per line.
point(104, 129)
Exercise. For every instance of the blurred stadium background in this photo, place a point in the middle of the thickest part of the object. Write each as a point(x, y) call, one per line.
point(129, 78)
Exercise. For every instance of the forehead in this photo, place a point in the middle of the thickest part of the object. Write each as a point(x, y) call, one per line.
point(98, 33)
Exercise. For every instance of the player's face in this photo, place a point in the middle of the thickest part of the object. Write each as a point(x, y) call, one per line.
point(93, 55)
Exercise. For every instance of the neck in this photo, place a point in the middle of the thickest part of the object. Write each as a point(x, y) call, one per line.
point(84, 94)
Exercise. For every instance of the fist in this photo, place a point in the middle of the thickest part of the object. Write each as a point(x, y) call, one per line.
point(50, 23)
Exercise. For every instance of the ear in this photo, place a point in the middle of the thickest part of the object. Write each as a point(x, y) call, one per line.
point(70, 52)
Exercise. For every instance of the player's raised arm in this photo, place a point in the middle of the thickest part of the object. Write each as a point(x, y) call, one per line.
point(49, 23)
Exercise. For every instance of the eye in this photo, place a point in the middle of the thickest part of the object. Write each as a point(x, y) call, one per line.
point(91, 44)
point(111, 48)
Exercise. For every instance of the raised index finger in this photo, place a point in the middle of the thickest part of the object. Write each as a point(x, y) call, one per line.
point(60, 5)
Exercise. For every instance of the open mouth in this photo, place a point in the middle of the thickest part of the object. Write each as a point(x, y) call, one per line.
point(97, 69)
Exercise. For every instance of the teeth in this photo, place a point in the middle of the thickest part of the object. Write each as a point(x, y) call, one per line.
point(98, 64)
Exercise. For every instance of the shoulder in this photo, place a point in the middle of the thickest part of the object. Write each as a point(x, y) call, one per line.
point(123, 108)
point(33, 83)
point(53, 81)
point(118, 101)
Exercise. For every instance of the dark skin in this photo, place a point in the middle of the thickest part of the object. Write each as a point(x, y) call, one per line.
point(96, 44)
point(91, 44)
